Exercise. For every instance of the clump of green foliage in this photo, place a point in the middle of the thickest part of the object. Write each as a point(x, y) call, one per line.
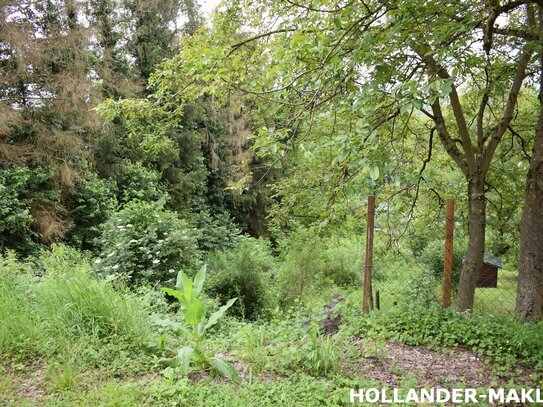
point(245, 272)
point(187, 292)
point(75, 304)
point(93, 203)
point(136, 182)
point(145, 243)
point(20, 325)
point(432, 257)
point(20, 189)
point(501, 339)
point(48, 306)
point(310, 262)
point(217, 231)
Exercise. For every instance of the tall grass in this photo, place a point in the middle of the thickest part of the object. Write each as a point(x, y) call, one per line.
point(18, 323)
point(67, 304)
point(79, 305)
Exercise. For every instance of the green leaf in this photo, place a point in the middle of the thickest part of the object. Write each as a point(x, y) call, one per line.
point(374, 172)
point(199, 279)
point(194, 312)
point(187, 288)
point(225, 369)
point(179, 282)
point(183, 358)
point(174, 293)
point(213, 319)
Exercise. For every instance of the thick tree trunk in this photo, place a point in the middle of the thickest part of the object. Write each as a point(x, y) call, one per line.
point(473, 260)
point(530, 277)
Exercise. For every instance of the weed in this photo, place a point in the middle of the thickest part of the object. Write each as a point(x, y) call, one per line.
point(187, 293)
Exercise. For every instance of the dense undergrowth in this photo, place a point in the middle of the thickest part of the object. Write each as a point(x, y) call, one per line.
point(81, 337)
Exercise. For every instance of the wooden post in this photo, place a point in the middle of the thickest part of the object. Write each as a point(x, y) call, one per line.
point(368, 261)
point(448, 259)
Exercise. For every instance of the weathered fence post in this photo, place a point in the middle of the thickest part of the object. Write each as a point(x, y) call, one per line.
point(368, 261)
point(448, 259)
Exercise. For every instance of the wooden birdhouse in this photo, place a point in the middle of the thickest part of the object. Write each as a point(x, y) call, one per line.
point(489, 272)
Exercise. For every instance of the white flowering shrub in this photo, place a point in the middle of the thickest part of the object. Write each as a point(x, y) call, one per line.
point(144, 243)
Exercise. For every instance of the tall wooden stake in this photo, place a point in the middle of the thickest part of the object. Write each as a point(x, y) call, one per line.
point(368, 262)
point(448, 260)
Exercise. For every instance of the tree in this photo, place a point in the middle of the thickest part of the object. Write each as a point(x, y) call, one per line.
point(452, 62)
point(530, 279)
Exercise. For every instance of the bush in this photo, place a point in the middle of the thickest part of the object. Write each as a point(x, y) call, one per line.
point(303, 268)
point(217, 232)
point(244, 272)
point(136, 182)
point(310, 262)
point(20, 188)
point(432, 258)
point(144, 243)
point(94, 203)
point(342, 260)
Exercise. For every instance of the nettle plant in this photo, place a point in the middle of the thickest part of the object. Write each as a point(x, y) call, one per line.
point(194, 357)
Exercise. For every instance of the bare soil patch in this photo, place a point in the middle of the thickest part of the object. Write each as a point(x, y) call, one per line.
point(431, 368)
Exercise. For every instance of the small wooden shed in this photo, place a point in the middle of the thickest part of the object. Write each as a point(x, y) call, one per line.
point(489, 271)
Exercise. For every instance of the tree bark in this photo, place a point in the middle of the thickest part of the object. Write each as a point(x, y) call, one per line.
point(473, 260)
point(530, 276)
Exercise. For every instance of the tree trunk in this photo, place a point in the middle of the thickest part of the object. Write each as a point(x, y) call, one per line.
point(473, 260)
point(530, 275)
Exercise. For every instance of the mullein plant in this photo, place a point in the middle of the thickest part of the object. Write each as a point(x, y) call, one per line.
point(194, 357)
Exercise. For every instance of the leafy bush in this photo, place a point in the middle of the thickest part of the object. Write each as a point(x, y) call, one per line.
point(136, 182)
point(51, 313)
point(310, 262)
point(145, 243)
point(20, 188)
point(244, 272)
point(342, 260)
point(421, 288)
point(432, 257)
point(94, 203)
point(217, 232)
point(302, 269)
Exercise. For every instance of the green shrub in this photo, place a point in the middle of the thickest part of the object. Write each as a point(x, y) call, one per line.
point(433, 254)
point(136, 182)
point(145, 243)
point(66, 308)
point(20, 188)
point(342, 260)
point(245, 272)
point(94, 203)
point(302, 269)
point(217, 232)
